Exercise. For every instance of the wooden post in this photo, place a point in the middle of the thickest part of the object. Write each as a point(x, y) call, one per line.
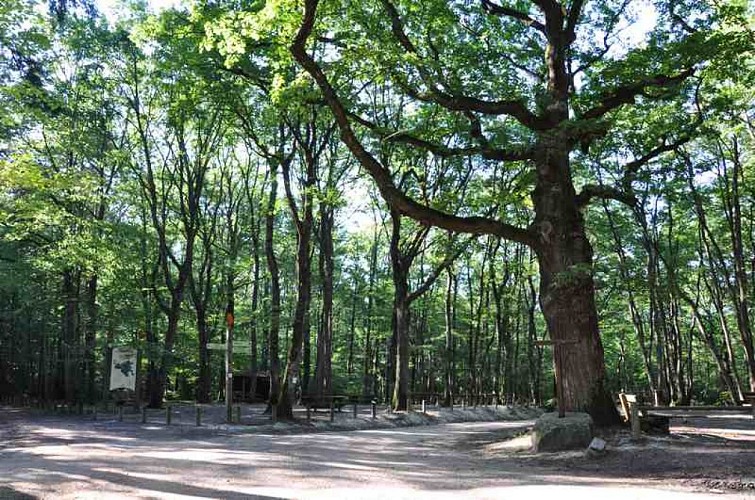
point(274, 413)
point(94, 412)
point(120, 413)
point(635, 420)
point(355, 410)
point(144, 414)
point(168, 415)
point(309, 417)
point(332, 411)
point(374, 409)
point(238, 414)
point(557, 345)
point(198, 410)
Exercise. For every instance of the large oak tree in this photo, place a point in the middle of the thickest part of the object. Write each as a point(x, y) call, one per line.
point(528, 81)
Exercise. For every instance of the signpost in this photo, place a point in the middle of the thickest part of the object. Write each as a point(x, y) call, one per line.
point(230, 347)
point(557, 362)
point(241, 347)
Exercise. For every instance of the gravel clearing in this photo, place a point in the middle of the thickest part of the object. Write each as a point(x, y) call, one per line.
point(68, 457)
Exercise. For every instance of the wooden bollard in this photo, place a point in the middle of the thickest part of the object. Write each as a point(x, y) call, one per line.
point(374, 409)
point(144, 414)
point(120, 414)
point(332, 411)
point(198, 411)
point(238, 414)
point(168, 415)
point(634, 412)
point(355, 410)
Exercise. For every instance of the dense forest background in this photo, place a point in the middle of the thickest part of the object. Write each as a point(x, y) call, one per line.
point(159, 171)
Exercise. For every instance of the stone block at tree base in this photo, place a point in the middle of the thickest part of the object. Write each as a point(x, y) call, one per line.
point(551, 433)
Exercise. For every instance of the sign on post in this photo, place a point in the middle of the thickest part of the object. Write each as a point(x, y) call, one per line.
point(238, 347)
point(123, 368)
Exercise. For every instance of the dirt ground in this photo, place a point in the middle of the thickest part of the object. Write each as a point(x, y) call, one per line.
point(56, 456)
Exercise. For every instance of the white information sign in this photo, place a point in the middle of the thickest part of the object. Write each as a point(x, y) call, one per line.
point(238, 347)
point(123, 368)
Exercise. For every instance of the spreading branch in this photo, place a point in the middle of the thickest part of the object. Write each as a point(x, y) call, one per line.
point(627, 94)
point(592, 191)
point(452, 101)
point(504, 11)
point(380, 174)
point(441, 150)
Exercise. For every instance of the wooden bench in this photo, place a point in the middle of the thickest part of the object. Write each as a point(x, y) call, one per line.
point(324, 402)
point(653, 419)
point(748, 398)
point(649, 422)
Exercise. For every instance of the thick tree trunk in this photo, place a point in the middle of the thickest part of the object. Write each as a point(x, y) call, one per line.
point(567, 291)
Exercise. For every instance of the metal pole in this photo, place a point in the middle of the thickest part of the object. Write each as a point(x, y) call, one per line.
point(120, 414)
point(229, 372)
point(355, 410)
point(144, 414)
point(332, 411)
point(168, 415)
point(423, 406)
point(199, 415)
point(238, 414)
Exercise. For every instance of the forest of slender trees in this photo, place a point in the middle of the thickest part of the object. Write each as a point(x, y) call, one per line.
point(388, 198)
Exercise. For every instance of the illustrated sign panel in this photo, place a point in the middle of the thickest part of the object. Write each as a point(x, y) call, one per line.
point(123, 368)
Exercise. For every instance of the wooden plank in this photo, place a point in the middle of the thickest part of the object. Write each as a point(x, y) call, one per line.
point(683, 410)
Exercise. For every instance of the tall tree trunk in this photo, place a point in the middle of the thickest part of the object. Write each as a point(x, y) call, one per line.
point(567, 290)
point(400, 322)
point(323, 370)
point(449, 338)
point(273, 332)
point(204, 381)
point(70, 328)
point(369, 377)
point(90, 340)
point(300, 326)
point(741, 287)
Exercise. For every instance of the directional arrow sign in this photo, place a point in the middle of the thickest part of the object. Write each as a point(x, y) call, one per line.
point(238, 347)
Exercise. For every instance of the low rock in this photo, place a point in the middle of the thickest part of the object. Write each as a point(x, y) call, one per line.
point(552, 433)
point(597, 447)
